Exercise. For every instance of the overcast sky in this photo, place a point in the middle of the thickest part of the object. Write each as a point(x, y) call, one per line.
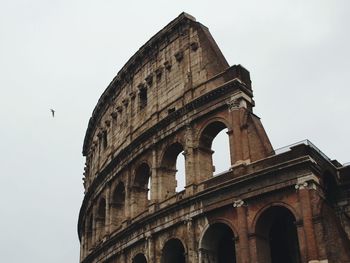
point(63, 54)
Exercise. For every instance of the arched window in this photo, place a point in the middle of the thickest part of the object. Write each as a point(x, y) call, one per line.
point(169, 177)
point(118, 205)
point(173, 252)
point(218, 245)
point(140, 188)
point(180, 172)
point(101, 218)
point(214, 135)
point(276, 234)
point(139, 258)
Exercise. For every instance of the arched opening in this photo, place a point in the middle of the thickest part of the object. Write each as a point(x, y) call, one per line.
point(101, 218)
point(139, 258)
point(169, 177)
point(221, 152)
point(173, 252)
point(330, 188)
point(118, 205)
point(206, 150)
point(218, 245)
point(277, 239)
point(140, 188)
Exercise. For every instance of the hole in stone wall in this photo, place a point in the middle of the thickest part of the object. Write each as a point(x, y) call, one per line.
point(221, 155)
point(180, 173)
point(173, 252)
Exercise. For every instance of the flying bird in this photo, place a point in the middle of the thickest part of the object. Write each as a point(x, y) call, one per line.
point(52, 112)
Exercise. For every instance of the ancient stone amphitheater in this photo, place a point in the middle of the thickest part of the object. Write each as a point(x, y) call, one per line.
point(174, 96)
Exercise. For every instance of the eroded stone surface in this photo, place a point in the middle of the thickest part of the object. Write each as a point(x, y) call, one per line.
point(173, 97)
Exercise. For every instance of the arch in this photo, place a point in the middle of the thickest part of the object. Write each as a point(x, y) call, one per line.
point(263, 209)
point(140, 189)
point(168, 174)
point(217, 244)
point(330, 188)
point(101, 218)
point(173, 251)
point(139, 258)
point(118, 205)
point(276, 236)
point(205, 150)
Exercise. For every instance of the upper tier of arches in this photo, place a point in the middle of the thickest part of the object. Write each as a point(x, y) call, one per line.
point(174, 69)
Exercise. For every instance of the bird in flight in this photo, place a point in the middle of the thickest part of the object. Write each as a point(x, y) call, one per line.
point(52, 112)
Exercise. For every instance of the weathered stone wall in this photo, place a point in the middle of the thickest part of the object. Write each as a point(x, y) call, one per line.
point(131, 211)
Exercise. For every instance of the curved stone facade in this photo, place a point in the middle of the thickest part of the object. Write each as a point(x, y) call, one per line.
point(174, 96)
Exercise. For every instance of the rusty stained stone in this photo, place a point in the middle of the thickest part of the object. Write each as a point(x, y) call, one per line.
point(131, 211)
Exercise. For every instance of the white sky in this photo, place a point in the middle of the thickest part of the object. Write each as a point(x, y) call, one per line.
point(63, 54)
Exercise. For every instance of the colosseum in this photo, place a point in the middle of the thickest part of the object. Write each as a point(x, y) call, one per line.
point(173, 97)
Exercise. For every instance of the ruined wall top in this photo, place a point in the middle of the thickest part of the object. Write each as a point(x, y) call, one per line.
point(159, 54)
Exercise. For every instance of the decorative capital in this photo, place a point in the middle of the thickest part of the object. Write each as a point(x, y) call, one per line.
point(233, 104)
point(148, 236)
point(307, 182)
point(301, 185)
point(238, 203)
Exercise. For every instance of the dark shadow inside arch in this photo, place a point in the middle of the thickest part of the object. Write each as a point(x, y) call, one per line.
point(139, 258)
point(140, 187)
point(218, 245)
point(214, 138)
point(101, 218)
point(173, 252)
point(118, 205)
point(277, 239)
point(172, 181)
point(142, 181)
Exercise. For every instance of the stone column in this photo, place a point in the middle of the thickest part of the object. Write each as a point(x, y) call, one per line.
point(154, 177)
point(108, 205)
point(82, 245)
point(305, 205)
point(189, 157)
point(232, 147)
point(150, 248)
point(128, 196)
point(123, 256)
point(192, 256)
point(243, 244)
point(94, 227)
